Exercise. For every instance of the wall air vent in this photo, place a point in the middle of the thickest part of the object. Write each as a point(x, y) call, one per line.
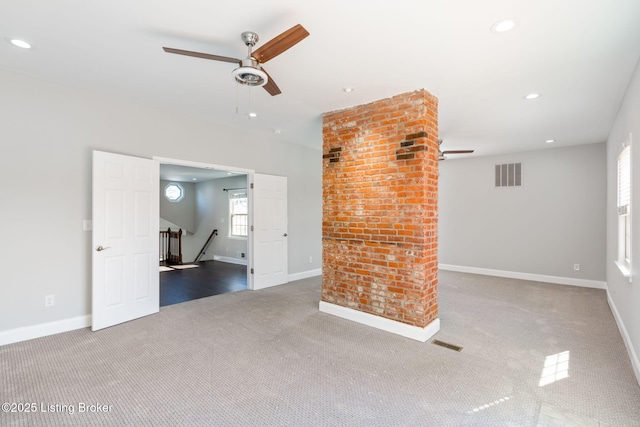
point(509, 175)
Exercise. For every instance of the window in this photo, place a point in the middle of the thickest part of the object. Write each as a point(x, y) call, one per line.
point(624, 210)
point(174, 192)
point(238, 213)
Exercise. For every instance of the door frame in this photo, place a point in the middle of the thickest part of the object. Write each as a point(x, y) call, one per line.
point(249, 173)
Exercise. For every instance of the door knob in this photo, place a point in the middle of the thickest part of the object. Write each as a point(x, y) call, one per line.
point(284, 235)
point(99, 248)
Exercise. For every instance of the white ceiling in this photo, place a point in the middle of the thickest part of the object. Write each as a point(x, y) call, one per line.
point(578, 54)
point(178, 173)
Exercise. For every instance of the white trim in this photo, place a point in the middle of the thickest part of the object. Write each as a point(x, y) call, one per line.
point(388, 325)
point(230, 260)
point(635, 361)
point(200, 165)
point(44, 329)
point(585, 283)
point(305, 274)
point(625, 270)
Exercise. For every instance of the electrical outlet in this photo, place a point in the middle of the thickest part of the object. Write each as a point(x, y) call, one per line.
point(576, 267)
point(310, 260)
point(49, 300)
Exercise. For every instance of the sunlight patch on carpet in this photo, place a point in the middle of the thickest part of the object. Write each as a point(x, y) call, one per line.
point(556, 367)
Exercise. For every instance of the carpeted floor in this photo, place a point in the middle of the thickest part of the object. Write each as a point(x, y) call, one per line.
point(270, 358)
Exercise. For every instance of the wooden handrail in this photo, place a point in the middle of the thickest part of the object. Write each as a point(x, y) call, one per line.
point(206, 244)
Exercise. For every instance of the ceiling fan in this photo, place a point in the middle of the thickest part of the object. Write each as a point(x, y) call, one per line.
point(250, 71)
point(442, 153)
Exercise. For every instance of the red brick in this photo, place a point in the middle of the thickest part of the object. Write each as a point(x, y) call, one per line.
point(380, 213)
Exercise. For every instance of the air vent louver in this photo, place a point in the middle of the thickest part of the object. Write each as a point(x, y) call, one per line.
point(509, 175)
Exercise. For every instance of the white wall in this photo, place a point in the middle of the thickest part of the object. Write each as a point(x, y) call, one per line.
point(555, 220)
point(183, 212)
point(624, 297)
point(213, 213)
point(48, 133)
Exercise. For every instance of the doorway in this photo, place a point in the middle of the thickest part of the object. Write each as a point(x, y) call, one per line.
point(125, 235)
point(208, 207)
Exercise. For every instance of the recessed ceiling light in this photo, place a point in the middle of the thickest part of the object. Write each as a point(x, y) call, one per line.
point(532, 96)
point(550, 141)
point(347, 89)
point(20, 43)
point(252, 115)
point(194, 179)
point(278, 131)
point(503, 26)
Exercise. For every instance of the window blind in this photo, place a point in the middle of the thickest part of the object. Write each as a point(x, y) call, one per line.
point(624, 181)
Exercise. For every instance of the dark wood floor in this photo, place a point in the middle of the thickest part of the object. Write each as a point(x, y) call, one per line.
point(209, 278)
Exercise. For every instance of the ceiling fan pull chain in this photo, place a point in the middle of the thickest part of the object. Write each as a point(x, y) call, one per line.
point(249, 102)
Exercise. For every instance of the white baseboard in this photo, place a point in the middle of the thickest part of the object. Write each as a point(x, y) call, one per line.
point(230, 260)
point(526, 276)
point(44, 329)
point(635, 362)
point(398, 328)
point(305, 274)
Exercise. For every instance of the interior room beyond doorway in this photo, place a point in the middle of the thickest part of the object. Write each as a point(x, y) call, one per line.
point(206, 251)
point(208, 279)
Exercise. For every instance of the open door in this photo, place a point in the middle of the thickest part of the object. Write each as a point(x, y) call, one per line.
point(270, 266)
point(125, 277)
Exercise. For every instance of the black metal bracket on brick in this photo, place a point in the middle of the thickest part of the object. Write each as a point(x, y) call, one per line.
point(408, 147)
point(333, 155)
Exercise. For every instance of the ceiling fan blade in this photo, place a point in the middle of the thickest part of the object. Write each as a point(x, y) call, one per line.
point(271, 86)
point(279, 44)
point(202, 55)
point(458, 151)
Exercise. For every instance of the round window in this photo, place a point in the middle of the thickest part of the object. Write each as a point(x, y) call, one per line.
point(174, 192)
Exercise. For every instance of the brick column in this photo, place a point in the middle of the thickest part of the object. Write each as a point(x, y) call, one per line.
point(380, 213)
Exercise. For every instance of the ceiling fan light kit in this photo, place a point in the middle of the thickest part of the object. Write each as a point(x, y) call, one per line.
point(250, 73)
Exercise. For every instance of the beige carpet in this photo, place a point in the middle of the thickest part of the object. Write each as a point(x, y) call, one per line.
point(270, 358)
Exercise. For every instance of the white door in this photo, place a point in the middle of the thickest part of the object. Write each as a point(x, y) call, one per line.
point(270, 231)
point(125, 277)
